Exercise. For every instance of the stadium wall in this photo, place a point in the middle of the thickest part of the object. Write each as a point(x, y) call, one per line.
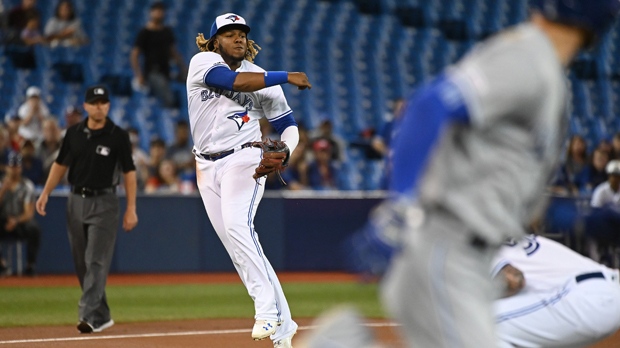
point(298, 233)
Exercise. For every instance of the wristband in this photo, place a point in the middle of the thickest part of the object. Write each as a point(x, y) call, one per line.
point(273, 78)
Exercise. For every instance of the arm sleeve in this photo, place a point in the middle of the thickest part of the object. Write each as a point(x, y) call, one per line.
point(140, 39)
point(428, 111)
point(125, 158)
point(220, 77)
point(64, 154)
point(291, 137)
point(201, 65)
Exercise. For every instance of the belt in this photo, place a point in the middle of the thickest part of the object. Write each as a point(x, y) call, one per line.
point(219, 155)
point(88, 192)
point(587, 276)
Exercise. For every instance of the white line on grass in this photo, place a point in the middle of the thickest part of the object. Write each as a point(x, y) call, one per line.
point(164, 334)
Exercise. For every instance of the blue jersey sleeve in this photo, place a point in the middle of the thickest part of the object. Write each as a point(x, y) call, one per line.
point(221, 77)
point(283, 122)
point(426, 113)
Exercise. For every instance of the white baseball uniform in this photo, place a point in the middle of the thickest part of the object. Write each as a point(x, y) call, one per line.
point(224, 120)
point(568, 300)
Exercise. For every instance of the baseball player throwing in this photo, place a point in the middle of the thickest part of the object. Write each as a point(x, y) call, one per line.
point(475, 150)
point(227, 96)
point(561, 299)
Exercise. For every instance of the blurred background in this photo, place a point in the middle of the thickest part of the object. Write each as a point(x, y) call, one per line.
point(362, 57)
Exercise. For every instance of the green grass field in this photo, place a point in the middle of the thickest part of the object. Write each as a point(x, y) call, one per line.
point(26, 306)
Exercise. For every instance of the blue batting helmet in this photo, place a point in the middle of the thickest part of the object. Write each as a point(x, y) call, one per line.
point(596, 16)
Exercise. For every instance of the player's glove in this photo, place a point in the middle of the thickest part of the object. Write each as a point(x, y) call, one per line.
point(275, 158)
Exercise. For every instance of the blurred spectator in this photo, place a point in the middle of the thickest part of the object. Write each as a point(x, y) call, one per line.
point(32, 112)
point(605, 146)
point(296, 174)
point(322, 171)
point(165, 180)
point(337, 144)
point(607, 194)
point(64, 28)
point(12, 127)
point(31, 35)
point(18, 18)
point(73, 116)
point(266, 130)
point(603, 222)
point(564, 181)
point(17, 196)
point(48, 148)
point(157, 153)
point(5, 150)
point(382, 140)
point(156, 43)
point(615, 147)
point(594, 173)
point(32, 166)
point(181, 151)
point(140, 158)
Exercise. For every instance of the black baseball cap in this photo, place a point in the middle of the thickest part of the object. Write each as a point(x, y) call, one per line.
point(97, 92)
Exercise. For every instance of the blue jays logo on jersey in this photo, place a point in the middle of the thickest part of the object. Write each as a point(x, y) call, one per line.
point(233, 18)
point(240, 118)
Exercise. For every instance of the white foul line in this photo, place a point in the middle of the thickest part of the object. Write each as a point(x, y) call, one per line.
point(167, 334)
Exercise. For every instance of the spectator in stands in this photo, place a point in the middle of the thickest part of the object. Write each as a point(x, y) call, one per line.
point(5, 150)
point(18, 18)
point(615, 147)
point(594, 173)
point(157, 153)
point(32, 166)
point(64, 28)
point(266, 130)
point(17, 198)
point(603, 222)
point(564, 181)
point(31, 35)
point(140, 158)
point(322, 171)
point(382, 140)
point(607, 194)
point(337, 144)
point(12, 127)
point(181, 151)
point(156, 43)
point(32, 112)
point(166, 179)
point(47, 149)
point(21, 55)
point(296, 174)
point(73, 116)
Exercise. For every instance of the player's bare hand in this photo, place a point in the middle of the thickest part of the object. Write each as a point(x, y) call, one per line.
point(514, 280)
point(299, 79)
point(41, 203)
point(130, 220)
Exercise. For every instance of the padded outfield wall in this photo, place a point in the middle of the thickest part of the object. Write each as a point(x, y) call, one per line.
point(299, 232)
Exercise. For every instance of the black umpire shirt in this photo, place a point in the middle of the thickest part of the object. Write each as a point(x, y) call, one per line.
point(94, 157)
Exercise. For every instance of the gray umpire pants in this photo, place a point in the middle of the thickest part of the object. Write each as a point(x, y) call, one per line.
point(439, 287)
point(92, 227)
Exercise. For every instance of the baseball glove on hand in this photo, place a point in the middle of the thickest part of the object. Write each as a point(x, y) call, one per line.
point(275, 158)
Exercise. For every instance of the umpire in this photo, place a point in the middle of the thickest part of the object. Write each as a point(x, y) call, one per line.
point(93, 151)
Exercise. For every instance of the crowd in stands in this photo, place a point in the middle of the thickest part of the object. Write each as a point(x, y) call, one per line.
point(581, 171)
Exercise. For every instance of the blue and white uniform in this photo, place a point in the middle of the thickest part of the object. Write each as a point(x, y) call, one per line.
point(221, 121)
point(568, 299)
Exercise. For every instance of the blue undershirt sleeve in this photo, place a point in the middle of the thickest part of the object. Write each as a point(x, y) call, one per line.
point(283, 122)
point(427, 112)
point(221, 77)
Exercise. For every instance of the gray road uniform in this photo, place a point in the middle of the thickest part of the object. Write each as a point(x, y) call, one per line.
point(483, 182)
